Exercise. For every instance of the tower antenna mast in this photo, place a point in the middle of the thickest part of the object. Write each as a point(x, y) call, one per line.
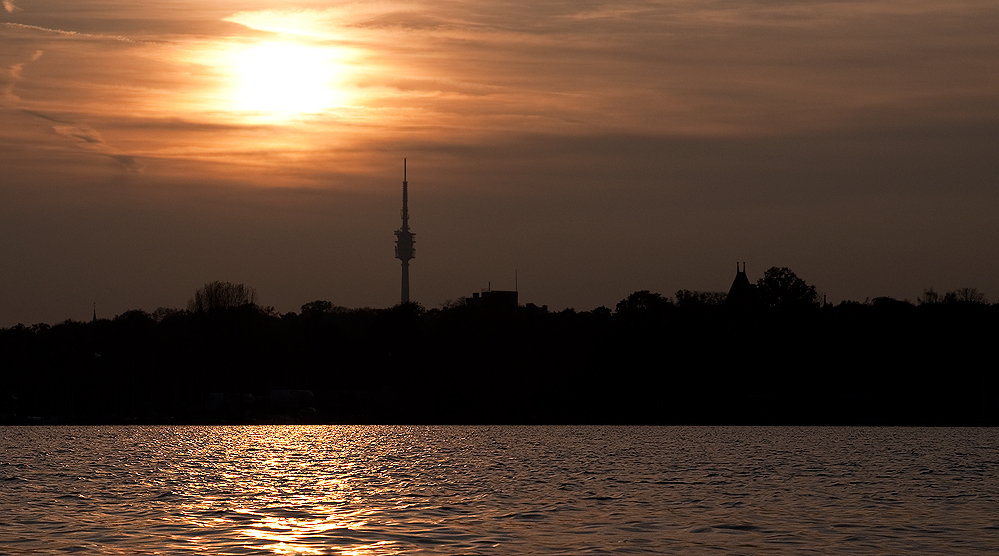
point(404, 239)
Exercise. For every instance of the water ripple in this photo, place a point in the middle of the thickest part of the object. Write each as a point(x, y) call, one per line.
point(497, 490)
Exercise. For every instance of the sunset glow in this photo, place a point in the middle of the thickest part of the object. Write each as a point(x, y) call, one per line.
point(283, 79)
point(850, 141)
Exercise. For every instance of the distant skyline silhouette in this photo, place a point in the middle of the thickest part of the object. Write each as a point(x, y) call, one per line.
point(779, 288)
point(694, 357)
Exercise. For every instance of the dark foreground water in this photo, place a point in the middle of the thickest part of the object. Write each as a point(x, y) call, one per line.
point(498, 490)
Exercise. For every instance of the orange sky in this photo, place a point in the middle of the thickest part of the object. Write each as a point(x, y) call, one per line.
point(596, 147)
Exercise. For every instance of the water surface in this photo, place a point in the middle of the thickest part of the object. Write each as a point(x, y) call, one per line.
point(498, 490)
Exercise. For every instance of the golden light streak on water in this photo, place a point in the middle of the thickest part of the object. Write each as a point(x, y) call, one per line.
point(294, 535)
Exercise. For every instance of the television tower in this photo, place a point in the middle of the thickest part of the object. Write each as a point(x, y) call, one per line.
point(404, 249)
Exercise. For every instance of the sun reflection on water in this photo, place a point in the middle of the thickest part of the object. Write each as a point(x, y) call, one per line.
point(283, 490)
point(309, 536)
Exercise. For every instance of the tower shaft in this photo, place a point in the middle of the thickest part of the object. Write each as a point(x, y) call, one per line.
point(405, 281)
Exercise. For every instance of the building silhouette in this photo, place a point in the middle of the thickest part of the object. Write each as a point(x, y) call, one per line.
point(494, 298)
point(742, 294)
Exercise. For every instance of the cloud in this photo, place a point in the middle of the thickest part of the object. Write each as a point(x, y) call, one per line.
point(14, 72)
point(128, 162)
point(614, 11)
point(71, 34)
point(88, 138)
point(323, 24)
point(10, 7)
point(702, 67)
point(478, 72)
point(84, 133)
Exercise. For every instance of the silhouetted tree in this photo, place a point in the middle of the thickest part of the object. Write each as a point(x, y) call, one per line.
point(601, 312)
point(929, 296)
point(890, 303)
point(320, 307)
point(966, 295)
point(221, 295)
point(781, 288)
point(135, 316)
point(163, 313)
point(689, 299)
point(642, 301)
point(455, 303)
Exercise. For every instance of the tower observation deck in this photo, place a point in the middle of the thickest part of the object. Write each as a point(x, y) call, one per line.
point(404, 239)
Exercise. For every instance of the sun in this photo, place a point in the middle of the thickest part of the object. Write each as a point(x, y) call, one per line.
point(285, 79)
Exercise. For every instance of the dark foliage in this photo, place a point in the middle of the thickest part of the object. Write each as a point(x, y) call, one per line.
point(686, 299)
point(780, 288)
point(650, 361)
point(217, 296)
point(643, 302)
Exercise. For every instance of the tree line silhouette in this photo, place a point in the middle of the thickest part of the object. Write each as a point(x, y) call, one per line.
point(773, 354)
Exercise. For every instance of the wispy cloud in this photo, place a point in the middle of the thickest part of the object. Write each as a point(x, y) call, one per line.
point(615, 11)
point(71, 34)
point(87, 138)
point(10, 7)
point(329, 23)
point(14, 73)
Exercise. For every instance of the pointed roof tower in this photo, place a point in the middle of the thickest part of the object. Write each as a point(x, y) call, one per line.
point(743, 292)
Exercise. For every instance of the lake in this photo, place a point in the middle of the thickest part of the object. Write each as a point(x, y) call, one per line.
point(380, 490)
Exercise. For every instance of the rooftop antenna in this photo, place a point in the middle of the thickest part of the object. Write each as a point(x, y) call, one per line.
point(404, 239)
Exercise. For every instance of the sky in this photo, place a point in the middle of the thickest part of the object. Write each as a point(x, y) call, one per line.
point(580, 150)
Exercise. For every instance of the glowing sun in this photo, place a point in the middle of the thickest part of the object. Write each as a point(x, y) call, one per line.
point(283, 79)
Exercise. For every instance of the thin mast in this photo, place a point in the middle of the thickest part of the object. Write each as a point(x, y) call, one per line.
point(405, 199)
